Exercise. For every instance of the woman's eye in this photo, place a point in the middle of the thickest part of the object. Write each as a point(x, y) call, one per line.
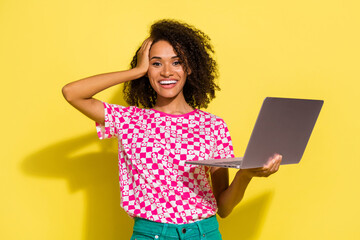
point(156, 64)
point(177, 63)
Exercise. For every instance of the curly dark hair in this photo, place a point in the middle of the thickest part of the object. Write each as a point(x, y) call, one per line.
point(195, 52)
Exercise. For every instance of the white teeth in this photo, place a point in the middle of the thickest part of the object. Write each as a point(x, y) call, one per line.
point(167, 82)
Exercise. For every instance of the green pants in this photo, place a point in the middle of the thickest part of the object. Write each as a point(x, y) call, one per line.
point(207, 229)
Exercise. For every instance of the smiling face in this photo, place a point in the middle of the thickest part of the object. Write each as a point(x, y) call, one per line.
point(166, 72)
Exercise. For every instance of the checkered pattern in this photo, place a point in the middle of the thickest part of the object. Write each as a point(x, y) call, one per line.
point(155, 182)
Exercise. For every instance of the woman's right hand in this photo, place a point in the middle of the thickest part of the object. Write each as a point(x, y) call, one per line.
point(80, 93)
point(142, 63)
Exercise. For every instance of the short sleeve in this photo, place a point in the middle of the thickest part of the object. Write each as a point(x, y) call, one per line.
point(224, 147)
point(115, 117)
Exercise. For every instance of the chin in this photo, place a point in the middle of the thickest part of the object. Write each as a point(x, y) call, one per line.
point(168, 95)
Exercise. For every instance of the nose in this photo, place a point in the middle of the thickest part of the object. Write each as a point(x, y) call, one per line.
point(166, 71)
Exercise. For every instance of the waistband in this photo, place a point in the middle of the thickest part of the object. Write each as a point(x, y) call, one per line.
point(201, 226)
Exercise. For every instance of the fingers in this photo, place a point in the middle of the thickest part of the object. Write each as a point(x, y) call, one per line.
point(278, 162)
point(143, 55)
point(271, 167)
point(275, 164)
point(145, 47)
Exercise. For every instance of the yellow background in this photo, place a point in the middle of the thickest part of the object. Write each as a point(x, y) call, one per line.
point(59, 182)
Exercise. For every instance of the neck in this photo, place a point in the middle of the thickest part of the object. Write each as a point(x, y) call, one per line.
point(175, 106)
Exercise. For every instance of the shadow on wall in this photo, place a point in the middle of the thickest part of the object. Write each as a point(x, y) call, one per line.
point(95, 172)
point(246, 221)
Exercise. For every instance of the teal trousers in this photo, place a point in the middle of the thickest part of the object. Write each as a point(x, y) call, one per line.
point(206, 229)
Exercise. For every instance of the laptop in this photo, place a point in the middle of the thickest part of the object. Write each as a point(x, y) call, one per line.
point(283, 126)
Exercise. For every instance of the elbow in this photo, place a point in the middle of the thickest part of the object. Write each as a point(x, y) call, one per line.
point(67, 93)
point(223, 213)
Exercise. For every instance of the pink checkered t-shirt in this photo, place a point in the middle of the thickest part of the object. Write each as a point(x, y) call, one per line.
point(155, 182)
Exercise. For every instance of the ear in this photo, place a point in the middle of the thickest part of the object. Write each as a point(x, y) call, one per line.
point(188, 71)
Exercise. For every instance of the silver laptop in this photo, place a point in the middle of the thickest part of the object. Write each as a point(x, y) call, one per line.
point(283, 126)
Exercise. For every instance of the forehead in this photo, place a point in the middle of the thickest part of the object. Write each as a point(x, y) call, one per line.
point(162, 49)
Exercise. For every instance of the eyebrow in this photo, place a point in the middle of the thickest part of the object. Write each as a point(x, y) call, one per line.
point(155, 57)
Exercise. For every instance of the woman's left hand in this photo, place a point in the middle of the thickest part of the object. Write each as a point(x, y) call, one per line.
point(271, 167)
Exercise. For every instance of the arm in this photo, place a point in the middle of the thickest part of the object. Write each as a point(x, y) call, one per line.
point(80, 93)
point(228, 197)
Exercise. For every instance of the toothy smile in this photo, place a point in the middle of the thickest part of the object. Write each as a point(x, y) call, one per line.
point(167, 82)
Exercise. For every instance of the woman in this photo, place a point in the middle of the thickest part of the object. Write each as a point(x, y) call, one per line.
point(171, 76)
